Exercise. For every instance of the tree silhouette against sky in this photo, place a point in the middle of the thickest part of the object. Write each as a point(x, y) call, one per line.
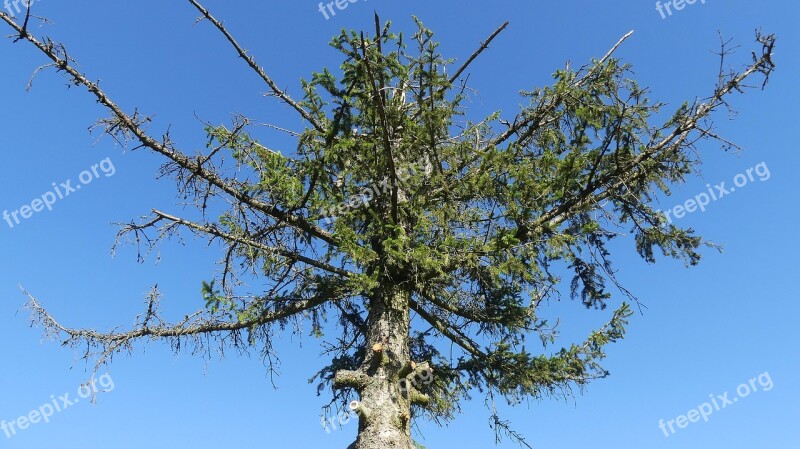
point(427, 240)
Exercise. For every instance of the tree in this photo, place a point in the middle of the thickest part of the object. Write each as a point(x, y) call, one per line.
point(409, 228)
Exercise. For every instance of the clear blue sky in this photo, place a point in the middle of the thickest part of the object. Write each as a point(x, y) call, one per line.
point(706, 329)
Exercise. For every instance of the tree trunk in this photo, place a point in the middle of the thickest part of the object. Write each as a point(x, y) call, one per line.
point(385, 409)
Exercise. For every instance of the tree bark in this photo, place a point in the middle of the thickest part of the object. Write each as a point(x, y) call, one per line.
point(385, 408)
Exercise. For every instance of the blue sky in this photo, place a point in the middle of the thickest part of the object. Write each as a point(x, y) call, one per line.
point(706, 330)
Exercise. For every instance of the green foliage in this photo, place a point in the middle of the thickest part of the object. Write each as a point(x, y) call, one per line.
point(481, 228)
point(214, 300)
point(476, 220)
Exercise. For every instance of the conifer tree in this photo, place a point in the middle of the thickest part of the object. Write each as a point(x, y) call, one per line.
point(423, 241)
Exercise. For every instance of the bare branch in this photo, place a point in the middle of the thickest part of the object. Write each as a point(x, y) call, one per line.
point(194, 165)
point(257, 68)
point(152, 326)
point(214, 231)
point(484, 46)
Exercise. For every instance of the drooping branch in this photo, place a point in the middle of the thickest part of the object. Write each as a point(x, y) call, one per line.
point(154, 327)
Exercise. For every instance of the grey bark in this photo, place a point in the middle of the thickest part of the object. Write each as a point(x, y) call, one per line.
point(384, 409)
